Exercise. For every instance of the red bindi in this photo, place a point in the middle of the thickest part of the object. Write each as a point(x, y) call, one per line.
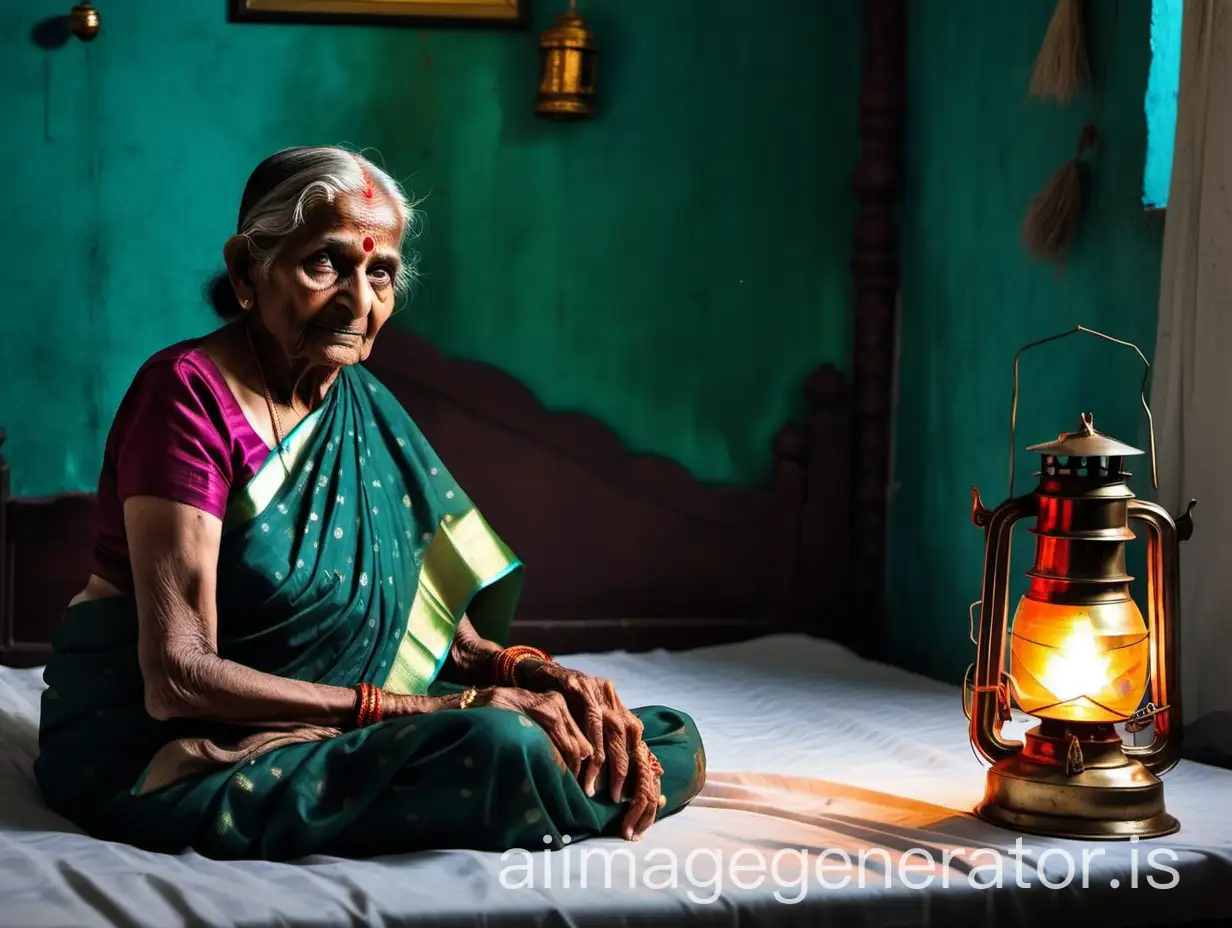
point(369, 244)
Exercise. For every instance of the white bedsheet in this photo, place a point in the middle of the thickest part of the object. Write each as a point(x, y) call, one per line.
point(810, 749)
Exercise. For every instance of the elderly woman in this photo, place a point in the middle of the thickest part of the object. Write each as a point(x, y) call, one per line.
point(292, 640)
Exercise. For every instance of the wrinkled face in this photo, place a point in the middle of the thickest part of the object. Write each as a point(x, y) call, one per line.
point(332, 286)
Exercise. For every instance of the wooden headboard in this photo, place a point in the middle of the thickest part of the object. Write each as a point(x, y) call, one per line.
point(623, 550)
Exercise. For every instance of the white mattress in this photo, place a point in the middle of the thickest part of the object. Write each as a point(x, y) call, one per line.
point(810, 749)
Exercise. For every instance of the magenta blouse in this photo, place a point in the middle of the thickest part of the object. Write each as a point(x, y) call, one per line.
point(179, 434)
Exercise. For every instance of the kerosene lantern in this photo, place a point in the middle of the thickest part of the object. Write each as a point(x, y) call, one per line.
point(1081, 654)
point(567, 77)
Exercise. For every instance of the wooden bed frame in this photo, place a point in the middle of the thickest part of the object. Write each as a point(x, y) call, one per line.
point(623, 550)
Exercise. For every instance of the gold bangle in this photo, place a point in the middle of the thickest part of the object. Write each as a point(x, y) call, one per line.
point(468, 697)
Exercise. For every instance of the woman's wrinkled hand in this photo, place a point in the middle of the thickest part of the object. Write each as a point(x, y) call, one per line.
point(550, 712)
point(644, 793)
point(614, 733)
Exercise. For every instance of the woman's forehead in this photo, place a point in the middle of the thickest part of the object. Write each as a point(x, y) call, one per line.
point(351, 214)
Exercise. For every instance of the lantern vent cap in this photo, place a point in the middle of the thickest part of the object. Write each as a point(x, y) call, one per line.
point(1085, 443)
point(569, 31)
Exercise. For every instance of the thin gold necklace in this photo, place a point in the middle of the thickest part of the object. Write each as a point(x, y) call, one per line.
point(275, 421)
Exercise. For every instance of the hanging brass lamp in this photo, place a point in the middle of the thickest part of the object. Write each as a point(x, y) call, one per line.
point(84, 21)
point(567, 78)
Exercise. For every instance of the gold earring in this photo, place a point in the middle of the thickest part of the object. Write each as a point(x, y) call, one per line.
point(245, 303)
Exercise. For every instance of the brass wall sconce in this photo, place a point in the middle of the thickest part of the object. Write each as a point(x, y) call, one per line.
point(1081, 656)
point(84, 21)
point(567, 79)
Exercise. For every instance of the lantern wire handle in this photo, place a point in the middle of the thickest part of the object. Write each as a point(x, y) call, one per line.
point(1146, 376)
point(966, 684)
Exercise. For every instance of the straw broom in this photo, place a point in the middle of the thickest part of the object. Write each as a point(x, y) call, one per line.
point(1061, 67)
point(1049, 226)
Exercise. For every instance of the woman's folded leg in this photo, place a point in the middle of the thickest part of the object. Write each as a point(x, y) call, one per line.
point(483, 779)
point(491, 779)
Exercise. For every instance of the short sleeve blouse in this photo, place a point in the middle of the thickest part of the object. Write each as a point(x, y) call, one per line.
point(179, 435)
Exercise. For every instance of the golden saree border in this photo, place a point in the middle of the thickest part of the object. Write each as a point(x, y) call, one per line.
point(256, 496)
point(464, 559)
point(187, 757)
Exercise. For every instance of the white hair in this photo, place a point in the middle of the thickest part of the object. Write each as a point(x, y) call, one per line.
point(288, 186)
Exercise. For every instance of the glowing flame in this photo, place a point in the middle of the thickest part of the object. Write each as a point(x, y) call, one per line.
point(1079, 667)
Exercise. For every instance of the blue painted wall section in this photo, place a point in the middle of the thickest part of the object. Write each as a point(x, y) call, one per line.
point(1161, 91)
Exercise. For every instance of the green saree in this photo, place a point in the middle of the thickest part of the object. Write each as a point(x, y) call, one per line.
point(349, 558)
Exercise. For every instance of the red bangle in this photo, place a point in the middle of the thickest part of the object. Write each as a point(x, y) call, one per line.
point(368, 709)
point(504, 663)
point(509, 658)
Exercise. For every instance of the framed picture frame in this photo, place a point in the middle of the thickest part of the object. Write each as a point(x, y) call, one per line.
point(508, 14)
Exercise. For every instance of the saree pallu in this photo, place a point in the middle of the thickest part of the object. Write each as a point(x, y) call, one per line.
point(350, 557)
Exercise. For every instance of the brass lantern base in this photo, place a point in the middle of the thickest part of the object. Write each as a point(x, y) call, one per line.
point(1074, 780)
point(564, 108)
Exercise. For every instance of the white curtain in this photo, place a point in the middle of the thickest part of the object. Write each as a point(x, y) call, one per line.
point(1192, 385)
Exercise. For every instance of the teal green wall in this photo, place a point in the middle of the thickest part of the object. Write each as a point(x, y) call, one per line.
point(977, 152)
point(674, 267)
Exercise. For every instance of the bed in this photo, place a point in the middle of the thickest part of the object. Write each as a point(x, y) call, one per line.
point(735, 604)
point(815, 755)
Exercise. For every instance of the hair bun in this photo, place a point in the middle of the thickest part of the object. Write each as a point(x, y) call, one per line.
point(221, 295)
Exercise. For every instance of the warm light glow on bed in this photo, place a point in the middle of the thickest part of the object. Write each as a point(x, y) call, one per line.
point(1079, 664)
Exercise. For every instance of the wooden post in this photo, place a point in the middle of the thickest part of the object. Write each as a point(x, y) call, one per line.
point(875, 269)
